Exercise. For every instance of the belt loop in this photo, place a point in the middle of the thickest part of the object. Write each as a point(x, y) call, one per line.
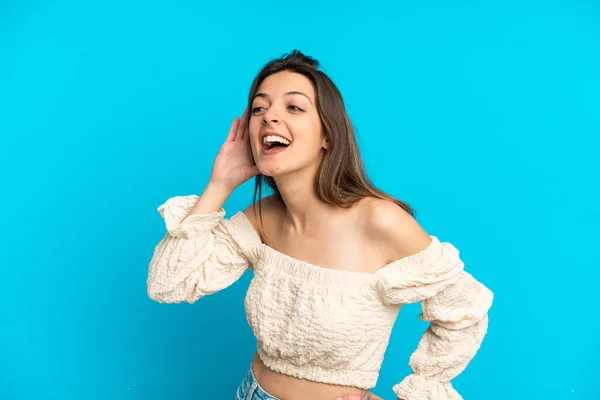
point(251, 391)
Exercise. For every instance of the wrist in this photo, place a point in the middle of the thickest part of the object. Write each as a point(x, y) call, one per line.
point(218, 189)
point(211, 200)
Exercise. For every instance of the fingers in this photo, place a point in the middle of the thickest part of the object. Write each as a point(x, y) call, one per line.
point(242, 126)
point(245, 132)
point(236, 131)
point(247, 125)
point(233, 129)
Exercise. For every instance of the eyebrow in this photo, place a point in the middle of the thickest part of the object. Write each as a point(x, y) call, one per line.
point(264, 95)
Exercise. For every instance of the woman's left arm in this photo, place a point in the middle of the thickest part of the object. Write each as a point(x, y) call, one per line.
point(453, 302)
point(458, 322)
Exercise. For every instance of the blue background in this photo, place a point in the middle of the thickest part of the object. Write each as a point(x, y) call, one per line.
point(482, 115)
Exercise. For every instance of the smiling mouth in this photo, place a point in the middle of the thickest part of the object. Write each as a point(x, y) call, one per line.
point(275, 143)
point(273, 148)
point(270, 149)
point(269, 146)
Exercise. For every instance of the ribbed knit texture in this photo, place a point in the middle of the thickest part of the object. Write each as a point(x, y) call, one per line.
point(304, 316)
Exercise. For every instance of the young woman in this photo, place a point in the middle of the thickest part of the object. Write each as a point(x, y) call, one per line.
point(333, 257)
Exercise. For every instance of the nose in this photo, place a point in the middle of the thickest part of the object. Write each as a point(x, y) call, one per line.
point(270, 117)
point(273, 120)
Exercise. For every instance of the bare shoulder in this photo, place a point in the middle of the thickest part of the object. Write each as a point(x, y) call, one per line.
point(270, 205)
point(393, 228)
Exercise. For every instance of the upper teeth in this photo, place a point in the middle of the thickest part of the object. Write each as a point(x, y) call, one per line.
point(273, 138)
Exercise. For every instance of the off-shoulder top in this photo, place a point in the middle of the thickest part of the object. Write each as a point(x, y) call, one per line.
point(300, 312)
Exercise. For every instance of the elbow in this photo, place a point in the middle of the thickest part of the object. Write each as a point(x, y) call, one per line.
point(162, 295)
point(167, 298)
point(173, 295)
point(482, 301)
point(461, 305)
point(157, 295)
point(487, 297)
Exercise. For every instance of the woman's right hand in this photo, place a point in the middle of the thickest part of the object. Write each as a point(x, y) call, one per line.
point(234, 164)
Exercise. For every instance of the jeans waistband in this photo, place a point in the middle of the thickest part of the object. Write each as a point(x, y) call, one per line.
point(249, 389)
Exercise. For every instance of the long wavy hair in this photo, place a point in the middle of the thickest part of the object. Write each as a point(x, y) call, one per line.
point(341, 178)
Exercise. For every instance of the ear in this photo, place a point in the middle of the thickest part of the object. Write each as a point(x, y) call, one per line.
point(325, 143)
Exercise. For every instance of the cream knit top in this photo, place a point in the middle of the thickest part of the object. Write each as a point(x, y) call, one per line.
point(300, 313)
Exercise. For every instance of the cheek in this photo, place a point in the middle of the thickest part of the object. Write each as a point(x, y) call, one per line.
point(317, 128)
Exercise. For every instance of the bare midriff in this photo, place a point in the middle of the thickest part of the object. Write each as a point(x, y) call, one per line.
point(287, 387)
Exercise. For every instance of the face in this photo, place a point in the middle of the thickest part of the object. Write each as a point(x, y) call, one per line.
point(285, 128)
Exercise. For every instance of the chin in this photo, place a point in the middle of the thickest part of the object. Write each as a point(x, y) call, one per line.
point(272, 171)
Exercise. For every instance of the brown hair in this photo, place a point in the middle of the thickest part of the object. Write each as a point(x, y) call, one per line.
point(341, 179)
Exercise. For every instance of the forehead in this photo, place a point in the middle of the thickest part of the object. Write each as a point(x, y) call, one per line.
point(286, 81)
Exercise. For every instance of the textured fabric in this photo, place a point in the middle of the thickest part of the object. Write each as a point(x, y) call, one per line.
point(300, 313)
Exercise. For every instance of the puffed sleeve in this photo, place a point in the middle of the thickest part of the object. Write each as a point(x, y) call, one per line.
point(199, 256)
point(455, 305)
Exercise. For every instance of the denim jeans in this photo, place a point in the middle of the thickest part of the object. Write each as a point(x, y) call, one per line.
point(249, 389)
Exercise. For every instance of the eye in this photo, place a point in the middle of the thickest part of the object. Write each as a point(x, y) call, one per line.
point(256, 109)
point(295, 107)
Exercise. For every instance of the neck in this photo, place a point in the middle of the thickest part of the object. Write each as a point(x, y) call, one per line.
point(304, 210)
